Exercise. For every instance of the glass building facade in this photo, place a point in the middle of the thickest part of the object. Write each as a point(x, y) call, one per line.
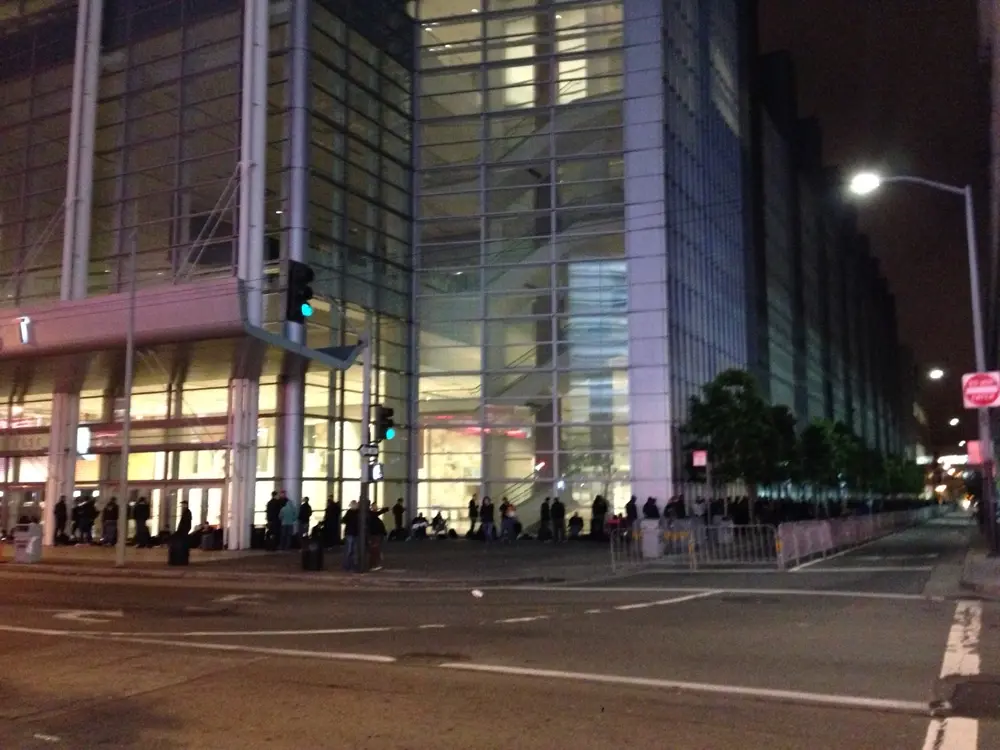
point(579, 252)
point(162, 159)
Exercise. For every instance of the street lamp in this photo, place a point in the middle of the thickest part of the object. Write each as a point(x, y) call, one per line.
point(935, 373)
point(865, 183)
point(953, 421)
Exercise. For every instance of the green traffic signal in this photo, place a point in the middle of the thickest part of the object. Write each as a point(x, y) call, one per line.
point(390, 433)
point(307, 310)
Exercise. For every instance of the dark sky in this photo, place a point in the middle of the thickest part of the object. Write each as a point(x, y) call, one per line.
point(897, 84)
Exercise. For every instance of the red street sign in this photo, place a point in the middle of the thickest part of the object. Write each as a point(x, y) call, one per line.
point(981, 390)
point(699, 458)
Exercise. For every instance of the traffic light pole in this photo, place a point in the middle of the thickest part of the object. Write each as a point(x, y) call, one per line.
point(364, 503)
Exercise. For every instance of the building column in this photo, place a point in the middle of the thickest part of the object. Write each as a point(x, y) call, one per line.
point(646, 231)
point(291, 384)
point(62, 459)
point(241, 482)
point(80, 162)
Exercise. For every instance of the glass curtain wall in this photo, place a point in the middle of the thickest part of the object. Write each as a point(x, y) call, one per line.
point(521, 289)
point(36, 82)
point(360, 218)
point(704, 212)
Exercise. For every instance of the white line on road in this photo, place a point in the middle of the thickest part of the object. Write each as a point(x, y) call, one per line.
point(870, 569)
point(659, 602)
point(961, 654)
point(255, 633)
point(877, 558)
point(961, 658)
point(794, 696)
point(431, 627)
point(514, 620)
point(592, 612)
point(732, 591)
point(952, 734)
point(835, 555)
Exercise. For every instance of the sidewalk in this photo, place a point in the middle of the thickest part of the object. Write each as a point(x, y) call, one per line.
point(981, 573)
point(449, 563)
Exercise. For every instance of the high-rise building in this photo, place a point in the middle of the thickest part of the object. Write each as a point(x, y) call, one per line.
point(825, 341)
point(579, 250)
point(160, 161)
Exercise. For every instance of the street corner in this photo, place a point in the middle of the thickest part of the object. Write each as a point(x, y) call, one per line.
point(980, 576)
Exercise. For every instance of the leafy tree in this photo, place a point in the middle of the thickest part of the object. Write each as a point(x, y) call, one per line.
point(783, 456)
point(847, 453)
point(819, 460)
point(734, 421)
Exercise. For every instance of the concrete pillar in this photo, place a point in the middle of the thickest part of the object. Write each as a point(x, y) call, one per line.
point(80, 162)
point(240, 491)
point(62, 458)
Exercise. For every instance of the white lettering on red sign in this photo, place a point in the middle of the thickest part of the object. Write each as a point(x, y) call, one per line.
point(981, 390)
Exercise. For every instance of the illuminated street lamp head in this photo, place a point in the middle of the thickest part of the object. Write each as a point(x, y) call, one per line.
point(953, 421)
point(865, 183)
point(936, 373)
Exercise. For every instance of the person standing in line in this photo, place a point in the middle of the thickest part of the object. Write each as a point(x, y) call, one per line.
point(545, 522)
point(60, 519)
point(140, 514)
point(184, 524)
point(289, 515)
point(558, 521)
point(486, 519)
point(109, 522)
point(350, 535)
point(473, 513)
point(305, 513)
point(398, 511)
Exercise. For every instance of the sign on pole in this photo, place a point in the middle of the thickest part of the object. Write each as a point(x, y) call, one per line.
point(699, 458)
point(973, 455)
point(981, 390)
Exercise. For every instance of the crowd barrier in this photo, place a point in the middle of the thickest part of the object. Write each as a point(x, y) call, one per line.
point(692, 544)
point(803, 540)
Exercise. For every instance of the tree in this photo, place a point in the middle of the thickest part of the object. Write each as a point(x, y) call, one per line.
point(783, 455)
point(734, 421)
point(819, 460)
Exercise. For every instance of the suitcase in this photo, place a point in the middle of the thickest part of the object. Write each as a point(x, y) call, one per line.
point(178, 552)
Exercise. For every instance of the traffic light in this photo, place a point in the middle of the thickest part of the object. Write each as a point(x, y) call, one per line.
point(297, 304)
point(385, 428)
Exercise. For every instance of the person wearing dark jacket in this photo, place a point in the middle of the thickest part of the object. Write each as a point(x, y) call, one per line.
point(60, 519)
point(632, 511)
point(545, 521)
point(473, 514)
point(650, 510)
point(140, 514)
point(350, 536)
point(272, 511)
point(109, 522)
point(184, 523)
point(376, 533)
point(398, 511)
point(305, 513)
point(486, 518)
point(558, 521)
point(331, 522)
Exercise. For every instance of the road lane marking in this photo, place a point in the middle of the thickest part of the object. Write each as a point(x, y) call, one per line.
point(431, 627)
point(961, 658)
point(952, 734)
point(878, 558)
point(659, 602)
point(255, 633)
point(515, 620)
point(789, 696)
point(888, 596)
point(835, 555)
point(88, 616)
point(869, 569)
point(961, 654)
point(592, 612)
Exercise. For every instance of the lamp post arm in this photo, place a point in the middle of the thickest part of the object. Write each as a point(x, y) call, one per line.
point(954, 190)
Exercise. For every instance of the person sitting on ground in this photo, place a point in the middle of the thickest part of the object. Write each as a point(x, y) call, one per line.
point(575, 526)
point(439, 525)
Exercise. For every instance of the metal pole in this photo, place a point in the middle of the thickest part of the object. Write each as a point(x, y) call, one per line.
point(985, 438)
point(127, 416)
point(366, 408)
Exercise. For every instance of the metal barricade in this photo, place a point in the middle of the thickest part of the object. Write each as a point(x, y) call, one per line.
point(689, 544)
point(730, 545)
point(626, 550)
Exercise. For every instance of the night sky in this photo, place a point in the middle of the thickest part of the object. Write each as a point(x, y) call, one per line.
point(897, 85)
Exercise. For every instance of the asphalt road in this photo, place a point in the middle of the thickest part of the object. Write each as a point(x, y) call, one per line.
point(843, 653)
